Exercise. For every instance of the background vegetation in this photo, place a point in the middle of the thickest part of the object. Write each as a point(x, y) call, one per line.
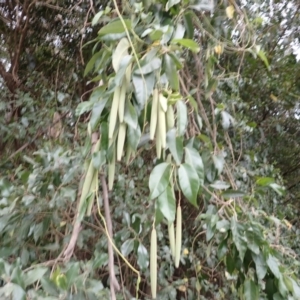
point(230, 73)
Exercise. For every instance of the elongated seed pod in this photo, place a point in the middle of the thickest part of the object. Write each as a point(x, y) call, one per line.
point(86, 187)
point(93, 189)
point(121, 140)
point(121, 107)
point(111, 171)
point(120, 51)
point(171, 232)
point(88, 180)
point(170, 117)
point(154, 112)
point(158, 144)
point(178, 240)
point(114, 112)
point(162, 126)
point(128, 76)
point(163, 101)
point(153, 263)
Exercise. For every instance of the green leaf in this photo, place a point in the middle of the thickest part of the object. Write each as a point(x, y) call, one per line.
point(72, 274)
point(219, 185)
point(97, 16)
point(90, 65)
point(34, 275)
point(171, 3)
point(171, 72)
point(261, 54)
point(115, 27)
point(230, 262)
point(238, 237)
point(218, 163)
point(83, 107)
point(227, 120)
point(99, 159)
point(181, 117)
point(188, 23)
point(296, 289)
point(167, 204)
point(280, 190)
point(61, 281)
point(282, 287)
point(193, 158)
point(233, 194)
point(100, 260)
point(188, 43)
point(159, 179)
point(17, 276)
point(127, 247)
point(120, 74)
point(133, 136)
point(273, 265)
point(143, 88)
point(175, 145)
point(251, 291)
point(142, 257)
point(148, 67)
point(222, 249)
point(223, 225)
point(189, 182)
point(97, 111)
point(264, 181)
point(201, 5)
point(130, 116)
point(260, 265)
point(10, 288)
point(48, 286)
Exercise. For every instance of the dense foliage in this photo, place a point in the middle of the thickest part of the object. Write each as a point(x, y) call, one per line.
point(149, 150)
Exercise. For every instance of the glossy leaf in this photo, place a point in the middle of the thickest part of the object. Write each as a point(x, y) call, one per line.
point(142, 256)
point(148, 67)
point(219, 163)
point(220, 185)
point(175, 145)
point(133, 136)
point(99, 159)
point(260, 265)
point(189, 182)
point(115, 27)
point(171, 72)
point(251, 291)
point(159, 179)
point(130, 116)
point(97, 111)
point(166, 203)
point(91, 64)
point(171, 3)
point(273, 265)
point(261, 54)
point(127, 247)
point(233, 194)
point(188, 23)
point(187, 43)
point(193, 158)
point(238, 237)
point(143, 87)
point(264, 181)
point(34, 275)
